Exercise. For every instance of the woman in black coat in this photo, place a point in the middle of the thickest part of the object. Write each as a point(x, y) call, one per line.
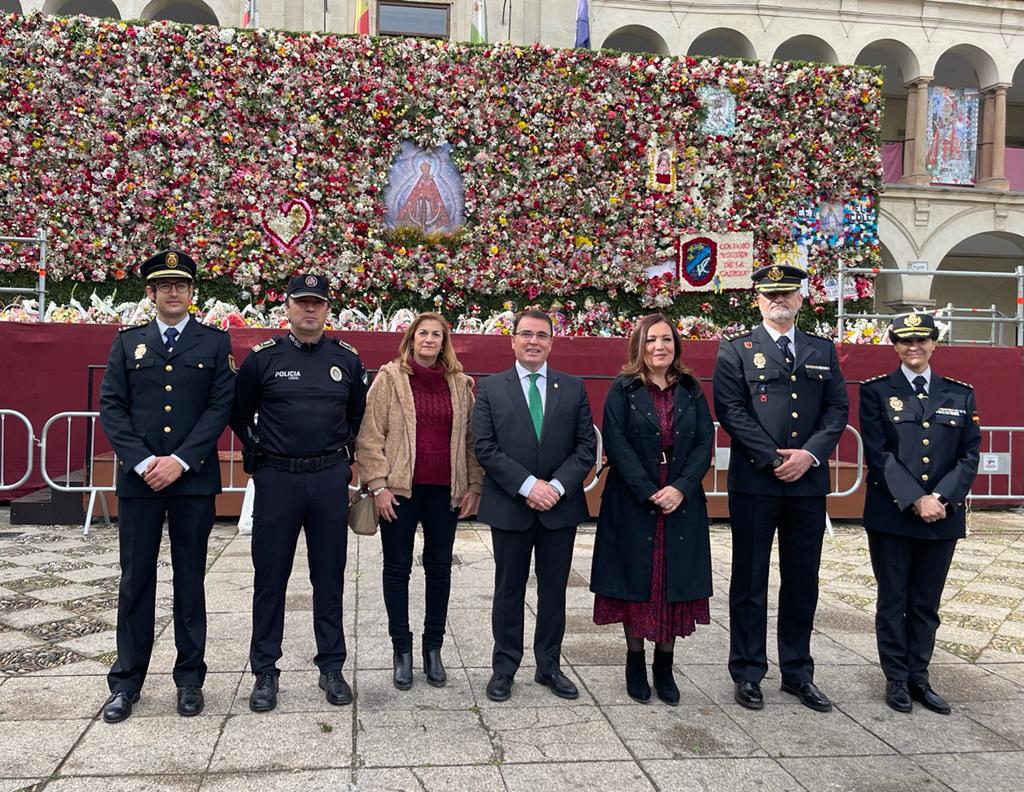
point(652, 555)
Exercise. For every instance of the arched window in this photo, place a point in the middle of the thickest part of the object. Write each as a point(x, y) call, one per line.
point(104, 9)
point(901, 66)
point(189, 12)
point(636, 38)
point(722, 43)
point(806, 48)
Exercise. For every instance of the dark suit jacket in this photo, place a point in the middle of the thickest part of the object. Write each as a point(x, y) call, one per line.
point(912, 450)
point(507, 448)
point(623, 555)
point(152, 402)
point(763, 406)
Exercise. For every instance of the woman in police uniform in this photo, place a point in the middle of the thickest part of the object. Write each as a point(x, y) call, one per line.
point(921, 441)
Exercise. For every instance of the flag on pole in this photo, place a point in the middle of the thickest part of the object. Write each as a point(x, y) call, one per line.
point(250, 14)
point(478, 27)
point(582, 24)
point(362, 17)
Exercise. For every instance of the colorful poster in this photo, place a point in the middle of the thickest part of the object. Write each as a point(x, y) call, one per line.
point(831, 224)
point(661, 168)
point(714, 262)
point(720, 104)
point(860, 222)
point(425, 190)
point(952, 142)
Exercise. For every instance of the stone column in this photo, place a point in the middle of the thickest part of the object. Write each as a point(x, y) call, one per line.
point(917, 132)
point(992, 172)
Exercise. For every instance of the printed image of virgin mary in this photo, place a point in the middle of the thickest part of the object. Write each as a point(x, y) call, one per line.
point(425, 190)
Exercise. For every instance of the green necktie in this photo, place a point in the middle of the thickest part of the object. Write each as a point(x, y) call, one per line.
point(536, 408)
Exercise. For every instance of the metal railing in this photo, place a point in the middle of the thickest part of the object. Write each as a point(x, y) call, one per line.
point(14, 415)
point(1017, 321)
point(994, 463)
point(40, 290)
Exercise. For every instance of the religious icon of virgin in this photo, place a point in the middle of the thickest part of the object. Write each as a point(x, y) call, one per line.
point(425, 190)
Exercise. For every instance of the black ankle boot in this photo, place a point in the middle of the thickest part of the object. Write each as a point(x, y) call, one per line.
point(637, 686)
point(434, 668)
point(403, 670)
point(664, 682)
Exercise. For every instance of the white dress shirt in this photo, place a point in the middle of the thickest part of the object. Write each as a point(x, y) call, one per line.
point(910, 375)
point(542, 385)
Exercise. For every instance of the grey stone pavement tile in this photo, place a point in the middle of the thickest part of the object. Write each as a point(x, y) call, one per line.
point(58, 607)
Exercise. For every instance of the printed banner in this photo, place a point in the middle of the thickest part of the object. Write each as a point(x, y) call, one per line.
point(952, 143)
point(714, 262)
point(831, 224)
point(720, 104)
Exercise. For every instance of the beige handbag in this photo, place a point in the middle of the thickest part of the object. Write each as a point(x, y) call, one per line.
point(362, 514)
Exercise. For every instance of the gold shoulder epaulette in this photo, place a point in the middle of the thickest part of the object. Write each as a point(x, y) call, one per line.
point(131, 327)
point(734, 336)
point(875, 378)
point(346, 345)
point(825, 337)
point(268, 343)
point(958, 382)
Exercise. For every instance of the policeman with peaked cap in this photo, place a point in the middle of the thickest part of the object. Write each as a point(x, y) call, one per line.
point(165, 401)
point(780, 395)
point(921, 439)
point(310, 392)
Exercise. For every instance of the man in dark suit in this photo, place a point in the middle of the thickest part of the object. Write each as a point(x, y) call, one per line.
point(165, 401)
point(780, 395)
point(534, 436)
point(921, 439)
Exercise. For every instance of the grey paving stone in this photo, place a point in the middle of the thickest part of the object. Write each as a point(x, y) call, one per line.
point(863, 774)
point(553, 734)
point(607, 685)
point(426, 738)
point(285, 741)
point(129, 784)
point(922, 731)
point(299, 691)
point(795, 730)
point(590, 776)
point(139, 746)
point(526, 692)
point(291, 781)
point(734, 775)
point(12, 640)
point(33, 616)
point(1005, 717)
point(478, 778)
point(976, 772)
point(377, 692)
point(55, 698)
point(1011, 671)
point(160, 695)
point(36, 748)
point(964, 682)
point(81, 668)
point(657, 731)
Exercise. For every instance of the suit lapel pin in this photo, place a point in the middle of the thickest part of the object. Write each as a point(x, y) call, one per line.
point(748, 344)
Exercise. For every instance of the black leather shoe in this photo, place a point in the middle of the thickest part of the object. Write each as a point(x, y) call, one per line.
point(264, 693)
point(434, 668)
point(402, 674)
point(119, 706)
point(929, 698)
point(809, 695)
point(499, 688)
point(637, 686)
point(897, 696)
point(748, 694)
point(664, 681)
point(558, 683)
point(335, 687)
point(190, 701)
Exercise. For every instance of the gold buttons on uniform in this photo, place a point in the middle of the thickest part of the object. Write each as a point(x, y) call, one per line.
point(924, 477)
point(926, 441)
point(793, 434)
point(796, 415)
point(200, 365)
point(167, 429)
point(167, 408)
point(168, 388)
point(925, 460)
point(168, 367)
point(925, 424)
point(793, 395)
point(793, 377)
point(761, 377)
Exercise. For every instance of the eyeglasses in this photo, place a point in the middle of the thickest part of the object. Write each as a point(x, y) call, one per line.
point(165, 287)
point(529, 335)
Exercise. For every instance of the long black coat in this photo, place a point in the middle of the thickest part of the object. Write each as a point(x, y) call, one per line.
point(626, 525)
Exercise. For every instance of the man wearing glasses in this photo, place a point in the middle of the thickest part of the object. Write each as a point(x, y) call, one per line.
point(780, 395)
point(534, 437)
point(165, 401)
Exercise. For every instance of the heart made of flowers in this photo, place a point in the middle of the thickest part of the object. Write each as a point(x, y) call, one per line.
point(288, 222)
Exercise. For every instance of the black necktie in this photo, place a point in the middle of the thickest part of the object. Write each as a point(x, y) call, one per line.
point(783, 343)
point(171, 334)
point(919, 383)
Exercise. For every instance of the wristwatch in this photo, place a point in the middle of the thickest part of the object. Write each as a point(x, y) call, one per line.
point(777, 462)
point(941, 499)
point(378, 491)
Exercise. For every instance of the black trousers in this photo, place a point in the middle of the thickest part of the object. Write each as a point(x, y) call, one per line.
point(140, 527)
point(285, 503)
point(911, 574)
point(431, 506)
point(801, 526)
point(512, 551)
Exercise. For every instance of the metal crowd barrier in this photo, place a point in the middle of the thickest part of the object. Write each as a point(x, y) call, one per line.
point(993, 463)
point(29, 451)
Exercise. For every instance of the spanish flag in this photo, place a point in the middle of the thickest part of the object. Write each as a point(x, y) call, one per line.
point(362, 17)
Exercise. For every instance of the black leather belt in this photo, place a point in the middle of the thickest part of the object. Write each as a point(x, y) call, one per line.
point(305, 465)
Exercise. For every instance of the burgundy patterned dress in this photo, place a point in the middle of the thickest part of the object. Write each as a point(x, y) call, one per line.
point(657, 619)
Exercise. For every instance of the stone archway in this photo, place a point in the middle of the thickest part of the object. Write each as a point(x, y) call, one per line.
point(636, 38)
point(722, 43)
point(103, 9)
point(901, 66)
point(189, 12)
point(806, 48)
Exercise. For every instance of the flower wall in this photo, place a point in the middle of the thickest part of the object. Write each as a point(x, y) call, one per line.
point(120, 138)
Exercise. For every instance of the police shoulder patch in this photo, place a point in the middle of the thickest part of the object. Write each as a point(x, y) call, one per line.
point(131, 327)
point(345, 345)
point(958, 382)
point(875, 378)
point(823, 337)
point(268, 343)
point(736, 336)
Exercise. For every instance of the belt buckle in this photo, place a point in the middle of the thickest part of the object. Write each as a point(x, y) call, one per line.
point(311, 465)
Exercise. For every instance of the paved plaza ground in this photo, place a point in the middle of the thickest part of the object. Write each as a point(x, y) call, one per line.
point(58, 595)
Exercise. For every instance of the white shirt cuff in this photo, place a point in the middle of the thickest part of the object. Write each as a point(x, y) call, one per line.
point(558, 486)
point(526, 486)
point(184, 464)
point(815, 463)
point(141, 467)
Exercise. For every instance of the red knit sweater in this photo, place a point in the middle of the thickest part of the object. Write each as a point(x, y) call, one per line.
point(433, 425)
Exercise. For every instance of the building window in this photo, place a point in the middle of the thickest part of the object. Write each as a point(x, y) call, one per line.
point(397, 18)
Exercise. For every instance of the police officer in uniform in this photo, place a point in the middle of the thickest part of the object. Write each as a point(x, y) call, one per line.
point(310, 392)
point(921, 441)
point(780, 395)
point(164, 402)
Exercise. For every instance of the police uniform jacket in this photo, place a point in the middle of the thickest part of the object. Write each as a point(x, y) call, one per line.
point(627, 522)
point(310, 397)
point(764, 407)
point(914, 449)
point(155, 402)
